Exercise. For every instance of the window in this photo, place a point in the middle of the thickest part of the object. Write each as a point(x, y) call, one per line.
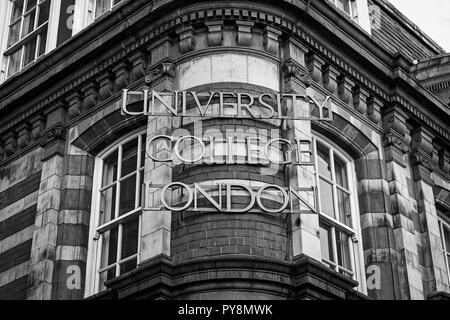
point(99, 7)
point(445, 237)
point(117, 207)
point(27, 33)
point(337, 210)
point(349, 7)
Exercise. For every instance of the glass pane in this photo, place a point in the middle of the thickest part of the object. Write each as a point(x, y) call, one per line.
point(110, 169)
point(109, 248)
point(345, 213)
point(105, 276)
point(116, 1)
point(343, 250)
point(28, 23)
point(127, 195)
point(30, 52)
point(14, 34)
point(344, 5)
point(17, 10)
point(101, 7)
point(44, 11)
point(128, 266)
point(129, 157)
point(31, 4)
point(326, 198)
point(130, 238)
point(326, 243)
point(107, 205)
point(341, 172)
point(323, 159)
point(42, 42)
point(14, 62)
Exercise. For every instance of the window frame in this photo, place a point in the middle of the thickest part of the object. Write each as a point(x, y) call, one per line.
point(354, 233)
point(52, 29)
point(94, 269)
point(446, 251)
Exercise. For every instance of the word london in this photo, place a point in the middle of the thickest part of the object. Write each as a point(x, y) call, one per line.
point(221, 196)
point(227, 105)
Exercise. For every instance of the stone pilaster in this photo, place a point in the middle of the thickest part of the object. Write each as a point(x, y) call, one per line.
point(395, 143)
point(43, 250)
point(434, 275)
point(156, 225)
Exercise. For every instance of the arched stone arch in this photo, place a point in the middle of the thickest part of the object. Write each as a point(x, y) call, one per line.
point(107, 130)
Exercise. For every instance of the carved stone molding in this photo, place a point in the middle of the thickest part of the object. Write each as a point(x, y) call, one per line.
point(162, 70)
point(122, 76)
point(90, 95)
point(277, 21)
point(106, 85)
point(395, 119)
point(138, 64)
point(37, 127)
point(10, 141)
point(444, 160)
point(215, 34)
point(56, 133)
point(271, 40)
point(345, 87)
point(187, 40)
point(360, 97)
point(395, 147)
point(329, 75)
point(244, 33)
point(23, 135)
point(422, 139)
point(314, 65)
point(74, 104)
point(419, 158)
point(291, 69)
point(374, 107)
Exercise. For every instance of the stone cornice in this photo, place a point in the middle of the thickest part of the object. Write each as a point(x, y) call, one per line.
point(81, 41)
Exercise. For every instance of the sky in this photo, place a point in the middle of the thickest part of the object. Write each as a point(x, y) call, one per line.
point(431, 16)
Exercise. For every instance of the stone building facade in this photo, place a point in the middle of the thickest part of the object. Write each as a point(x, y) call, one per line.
point(83, 208)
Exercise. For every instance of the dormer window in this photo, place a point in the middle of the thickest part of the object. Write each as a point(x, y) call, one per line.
point(349, 7)
point(357, 10)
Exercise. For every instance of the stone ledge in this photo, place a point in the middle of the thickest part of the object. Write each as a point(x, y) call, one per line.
point(160, 278)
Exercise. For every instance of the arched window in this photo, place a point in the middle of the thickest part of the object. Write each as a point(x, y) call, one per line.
point(337, 207)
point(116, 212)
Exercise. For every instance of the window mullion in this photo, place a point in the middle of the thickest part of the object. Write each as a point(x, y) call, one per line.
point(316, 176)
point(98, 260)
point(119, 173)
point(333, 178)
point(138, 258)
point(334, 244)
point(351, 248)
point(119, 249)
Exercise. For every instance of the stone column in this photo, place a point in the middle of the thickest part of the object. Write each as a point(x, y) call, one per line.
point(156, 225)
point(395, 141)
point(435, 275)
point(43, 250)
point(304, 227)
